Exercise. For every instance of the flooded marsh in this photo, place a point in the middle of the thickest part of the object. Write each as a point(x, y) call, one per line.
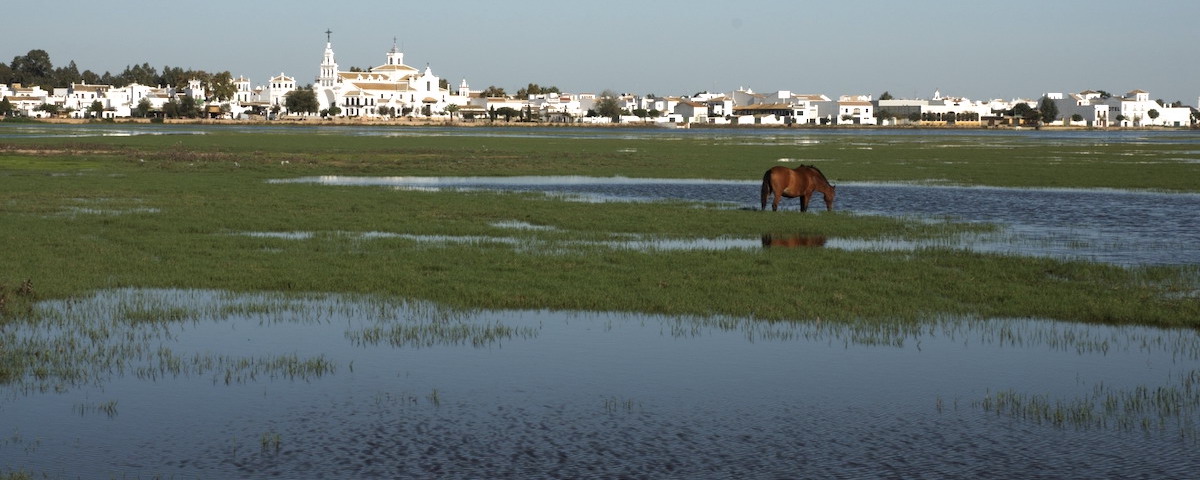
point(255, 301)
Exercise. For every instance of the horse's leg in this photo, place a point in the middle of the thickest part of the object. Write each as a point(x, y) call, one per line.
point(775, 202)
point(804, 203)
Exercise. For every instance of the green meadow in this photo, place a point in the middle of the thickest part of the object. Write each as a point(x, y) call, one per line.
point(188, 211)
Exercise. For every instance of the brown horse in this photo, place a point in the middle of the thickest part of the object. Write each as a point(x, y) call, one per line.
point(800, 182)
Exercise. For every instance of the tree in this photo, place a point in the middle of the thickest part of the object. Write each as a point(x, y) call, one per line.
point(608, 106)
point(885, 95)
point(221, 86)
point(1076, 118)
point(535, 89)
point(1153, 113)
point(67, 75)
point(493, 91)
point(188, 107)
point(49, 108)
point(171, 109)
point(91, 77)
point(143, 108)
point(142, 74)
point(1048, 109)
point(508, 113)
point(33, 68)
point(6, 108)
point(451, 109)
point(302, 100)
point(641, 113)
point(172, 76)
point(95, 109)
point(1024, 111)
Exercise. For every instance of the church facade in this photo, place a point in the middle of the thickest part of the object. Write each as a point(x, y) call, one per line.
point(392, 89)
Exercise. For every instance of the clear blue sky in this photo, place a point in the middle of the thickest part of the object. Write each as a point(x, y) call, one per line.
point(977, 49)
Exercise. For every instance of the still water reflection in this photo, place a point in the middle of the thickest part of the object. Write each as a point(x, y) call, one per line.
point(217, 385)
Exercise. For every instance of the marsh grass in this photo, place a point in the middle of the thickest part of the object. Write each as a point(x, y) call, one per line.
point(1171, 408)
point(438, 334)
point(108, 408)
point(76, 342)
point(184, 200)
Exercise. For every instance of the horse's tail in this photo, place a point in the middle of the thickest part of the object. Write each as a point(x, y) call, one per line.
point(766, 188)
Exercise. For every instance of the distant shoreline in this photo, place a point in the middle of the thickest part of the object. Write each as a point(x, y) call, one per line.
point(407, 122)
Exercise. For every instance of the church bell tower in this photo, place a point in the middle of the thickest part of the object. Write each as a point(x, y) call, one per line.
point(329, 68)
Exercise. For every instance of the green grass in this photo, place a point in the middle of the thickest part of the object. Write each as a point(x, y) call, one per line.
point(1037, 160)
point(79, 215)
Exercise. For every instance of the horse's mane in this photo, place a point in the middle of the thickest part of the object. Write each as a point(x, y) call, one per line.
point(819, 172)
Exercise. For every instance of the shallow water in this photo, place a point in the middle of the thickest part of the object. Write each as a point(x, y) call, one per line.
point(411, 390)
point(1111, 226)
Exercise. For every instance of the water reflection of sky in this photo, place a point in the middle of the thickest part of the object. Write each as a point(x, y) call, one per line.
point(1113, 226)
point(586, 394)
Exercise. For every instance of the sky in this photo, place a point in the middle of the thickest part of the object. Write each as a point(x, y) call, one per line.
point(974, 49)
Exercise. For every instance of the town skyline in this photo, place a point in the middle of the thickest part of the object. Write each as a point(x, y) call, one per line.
point(1019, 50)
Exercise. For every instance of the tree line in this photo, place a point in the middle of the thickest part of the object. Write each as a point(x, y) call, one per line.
point(35, 68)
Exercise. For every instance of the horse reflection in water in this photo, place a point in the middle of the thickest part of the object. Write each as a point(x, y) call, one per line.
point(800, 182)
point(792, 241)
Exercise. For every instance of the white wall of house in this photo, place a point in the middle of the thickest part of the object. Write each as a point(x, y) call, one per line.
point(278, 88)
point(1138, 109)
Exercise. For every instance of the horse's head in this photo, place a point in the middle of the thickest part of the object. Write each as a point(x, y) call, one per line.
point(829, 194)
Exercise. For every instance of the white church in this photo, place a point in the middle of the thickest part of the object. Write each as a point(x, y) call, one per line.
point(392, 89)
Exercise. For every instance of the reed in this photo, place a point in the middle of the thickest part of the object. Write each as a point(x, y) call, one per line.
point(1171, 407)
point(271, 441)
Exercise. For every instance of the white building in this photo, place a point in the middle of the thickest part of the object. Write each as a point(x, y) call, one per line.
point(26, 100)
point(1138, 110)
point(947, 109)
point(391, 89)
point(856, 110)
point(278, 88)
